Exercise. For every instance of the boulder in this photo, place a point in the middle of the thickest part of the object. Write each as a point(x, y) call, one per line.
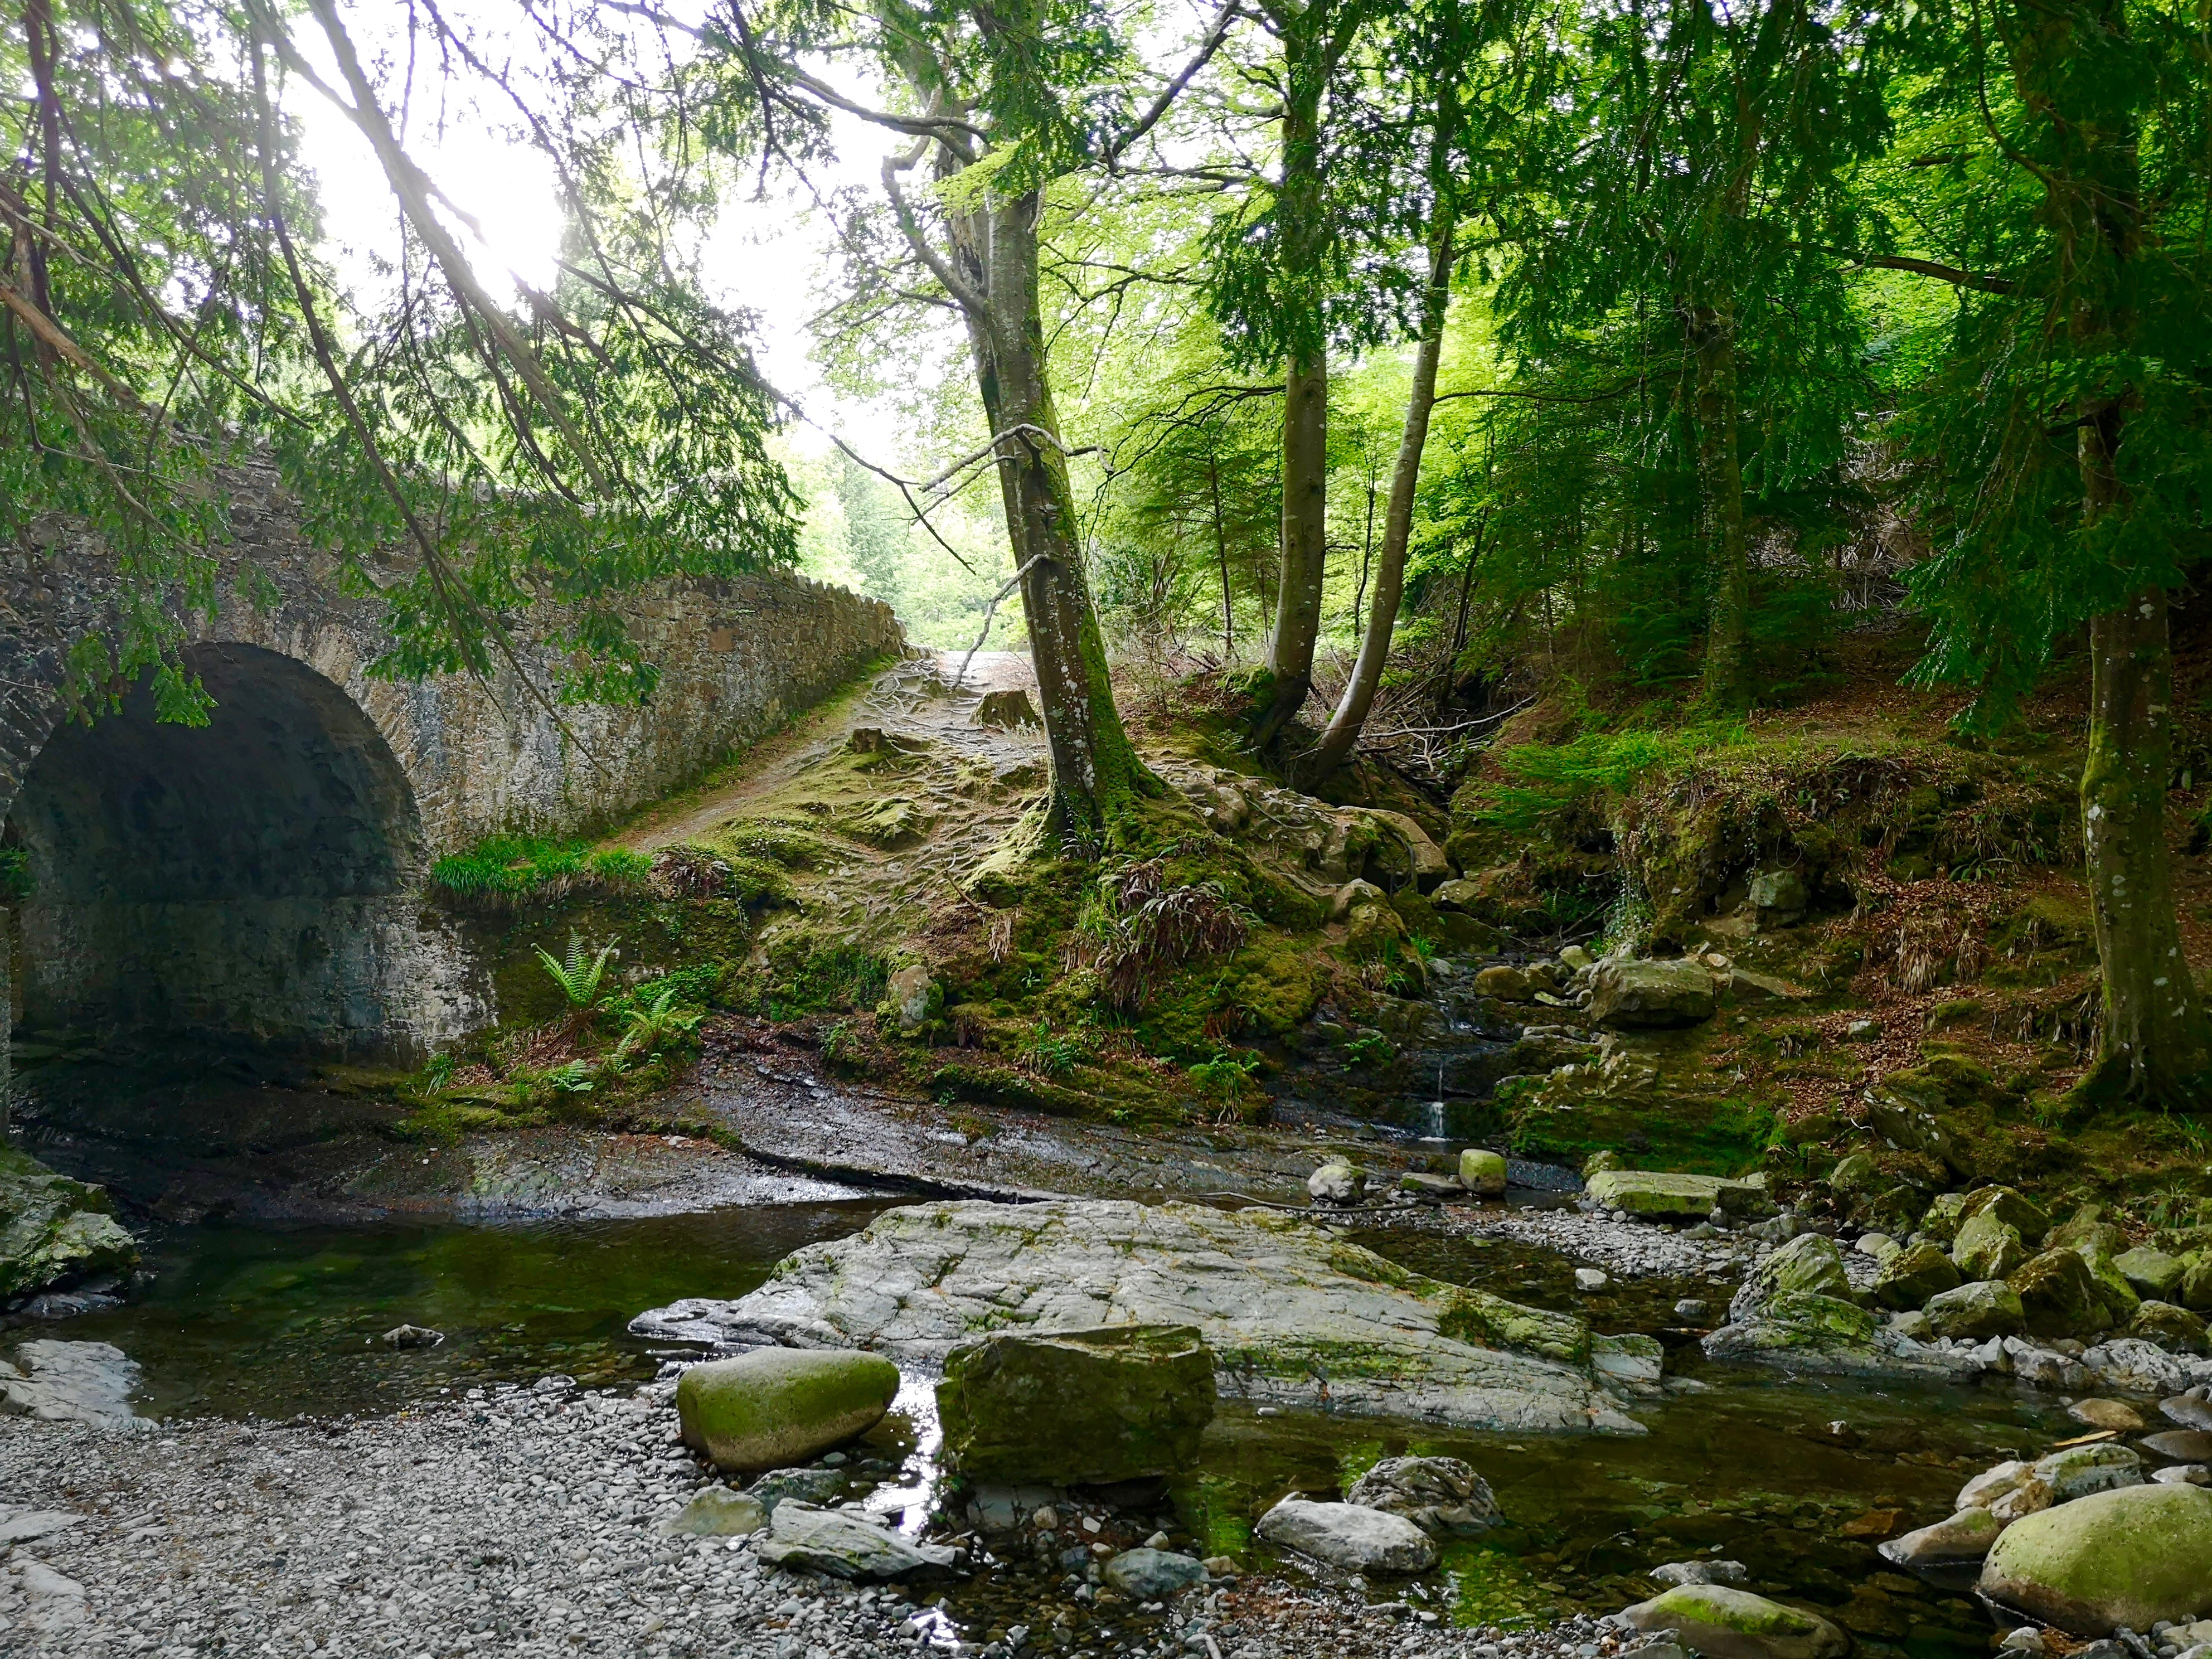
point(1825, 1319)
point(1462, 896)
point(1372, 930)
point(1353, 896)
point(2196, 1292)
point(1654, 1196)
point(1482, 1173)
point(1807, 1263)
point(1910, 1276)
point(2087, 1230)
point(913, 997)
point(2120, 1298)
point(2058, 1296)
point(2172, 1327)
point(847, 1546)
point(1855, 1173)
point(2191, 1410)
point(1294, 1317)
point(1430, 1188)
point(1439, 1495)
point(2152, 1274)
point(2106, 1415)
point(1973, 1312)
point(2135, 1557)
point(54, 1231)
point(72, 1382)
point(1708, 1571)
point(1988, 1247)
point(1072, 1407)
point(1147, 1575)
point(1626, 993)
point(1350, 1536)
point(1720, 1623)
point(1504, 983)
point(1944, 1217)
point(1966, 1536)
point(2078, 1471)
point(2023, 1215)
point(1337, 1182)
point(2180, 1445)
point(1780, 896)
point(777, 1407)
point(717, 1512)
point(819, 1487)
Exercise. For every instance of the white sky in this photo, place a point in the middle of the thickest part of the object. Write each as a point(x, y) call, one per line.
point(765, 257)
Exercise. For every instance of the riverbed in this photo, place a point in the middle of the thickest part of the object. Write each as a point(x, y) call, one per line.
point(245, 1323)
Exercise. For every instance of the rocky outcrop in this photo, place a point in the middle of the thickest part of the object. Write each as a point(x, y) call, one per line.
point(1292, 1316)
point(1070, 1408)
point(55, 1231)
point(1796, 1311)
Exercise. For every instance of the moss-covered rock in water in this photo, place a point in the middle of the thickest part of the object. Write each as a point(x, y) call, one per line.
point(1825, 1319)
point(2137, 1557)
point(777, 1407)
point(54, 1231)
point(1987, 1246)
point(1069, 1408)
point(1975, 1312)
point(1721, 1623)
point(2058, 1296)
point(1909, 1278)
point(1631, 995)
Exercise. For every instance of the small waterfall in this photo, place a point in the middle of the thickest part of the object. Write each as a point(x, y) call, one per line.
point(1436, 1129)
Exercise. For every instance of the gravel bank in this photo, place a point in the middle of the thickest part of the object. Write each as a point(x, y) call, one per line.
point(519, 1523)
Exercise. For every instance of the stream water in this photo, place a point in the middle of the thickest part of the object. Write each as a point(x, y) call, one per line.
point(269, 1320)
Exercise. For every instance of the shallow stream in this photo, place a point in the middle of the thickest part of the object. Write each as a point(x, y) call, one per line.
point(1791, 1478)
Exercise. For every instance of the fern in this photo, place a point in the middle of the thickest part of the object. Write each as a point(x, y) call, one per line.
point(656, 1025)
point(578, 980)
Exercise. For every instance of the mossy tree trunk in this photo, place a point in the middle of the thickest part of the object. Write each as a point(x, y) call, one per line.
point(1302, 232)
point(1095, 771)
point(2154, 1042)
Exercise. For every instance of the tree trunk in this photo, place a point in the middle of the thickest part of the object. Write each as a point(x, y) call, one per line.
point(1096, 771)
point(1221, 553)
point(1720, 479)
point(1302, 236)
point(1344, 726)
point(2154, 1044)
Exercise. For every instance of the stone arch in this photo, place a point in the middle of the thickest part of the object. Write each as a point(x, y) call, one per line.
point(254, 880)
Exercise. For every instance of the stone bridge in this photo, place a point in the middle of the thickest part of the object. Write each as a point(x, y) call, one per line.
point(262, 878)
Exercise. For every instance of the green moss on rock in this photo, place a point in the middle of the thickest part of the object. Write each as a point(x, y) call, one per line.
point(1065, 1408)
point(777, 1407)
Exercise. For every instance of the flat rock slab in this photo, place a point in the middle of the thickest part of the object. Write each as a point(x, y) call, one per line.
point(1292, 1316)
point(846, 1546)
point(1677, 1197)
point(72, 1382)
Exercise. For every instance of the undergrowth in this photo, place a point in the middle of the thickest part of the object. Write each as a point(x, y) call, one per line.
point(530, 866)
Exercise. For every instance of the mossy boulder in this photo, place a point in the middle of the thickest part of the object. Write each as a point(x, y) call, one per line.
point(1944, 1216)
point(1721, 1623)
point(1909, 1278)
point(1631, 995)
point(1807, 1265)
point(1065, 1408)
point(2151, 1273)
point(2139, 1556)
point(2023, 1215)
point(54, 1231)
point(2058, 1296)
point(1976, 1311)
point(2170, 1327)
point(2119, 1297)
point(1373, 931)
point(1988, 1247)
point(777, 1407)
point(2197, 1285)
point(1481, 1172)
point(1653, 1195)
point(1826, 1320)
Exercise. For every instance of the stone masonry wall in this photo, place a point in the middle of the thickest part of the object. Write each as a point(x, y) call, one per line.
point(263, 878)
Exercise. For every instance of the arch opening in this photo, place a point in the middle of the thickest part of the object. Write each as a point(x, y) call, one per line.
point(252, 880)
